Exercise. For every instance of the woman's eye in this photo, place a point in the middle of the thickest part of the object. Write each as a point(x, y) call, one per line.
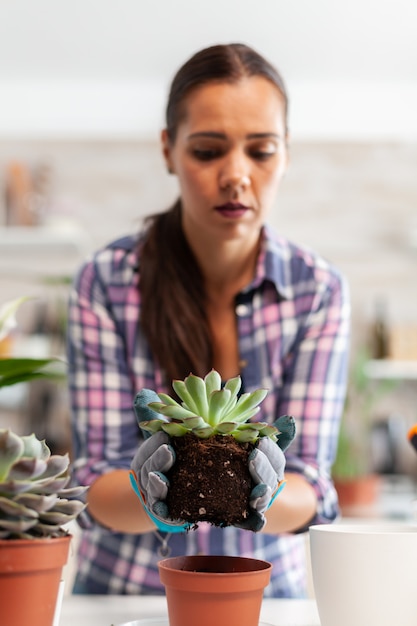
point(262, 155)
point(206, 154)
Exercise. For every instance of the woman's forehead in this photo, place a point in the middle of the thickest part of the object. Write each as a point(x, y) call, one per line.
point(252, 101)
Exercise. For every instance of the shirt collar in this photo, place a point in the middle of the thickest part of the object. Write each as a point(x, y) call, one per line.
point(273, 264)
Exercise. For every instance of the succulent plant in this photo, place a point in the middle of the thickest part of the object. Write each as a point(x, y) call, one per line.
point(207, 408)
point(35, 500)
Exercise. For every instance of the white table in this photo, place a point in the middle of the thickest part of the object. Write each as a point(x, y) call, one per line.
point(80, 610)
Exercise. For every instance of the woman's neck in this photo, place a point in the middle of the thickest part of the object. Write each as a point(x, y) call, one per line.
point(227, 266)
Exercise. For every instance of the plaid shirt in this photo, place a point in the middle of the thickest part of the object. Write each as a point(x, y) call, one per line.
point(293, 327)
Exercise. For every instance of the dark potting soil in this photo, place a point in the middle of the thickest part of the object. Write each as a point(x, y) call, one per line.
point(210, 480)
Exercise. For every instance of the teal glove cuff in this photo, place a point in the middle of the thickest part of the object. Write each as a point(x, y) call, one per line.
point(163, 526)
point(277, 492)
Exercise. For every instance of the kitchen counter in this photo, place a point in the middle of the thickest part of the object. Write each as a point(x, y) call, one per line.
point(80, 610)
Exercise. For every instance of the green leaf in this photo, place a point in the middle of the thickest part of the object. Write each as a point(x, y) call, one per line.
point(233, 385)
point(197, 389)
point(218, 402)
point(249, 435)
point(174, 430)
point(7, 315)
point(203, 433)
point(183, 393)
point(166, 399)
point(18, 370)
point(11, 449)
point(224, 428)
point(173, 412)
point(194, 422)
point(269, 431)
point(243, 416)
point(213, 382)
point(247, 402)
point(152, 426)
point(35, 447)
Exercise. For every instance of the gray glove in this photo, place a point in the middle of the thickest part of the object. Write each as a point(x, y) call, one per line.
point(266, 467)
point(156, 456)
point(151, 462)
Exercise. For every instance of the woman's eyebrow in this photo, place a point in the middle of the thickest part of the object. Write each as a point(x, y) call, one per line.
point(217, 135)
point(208, 133)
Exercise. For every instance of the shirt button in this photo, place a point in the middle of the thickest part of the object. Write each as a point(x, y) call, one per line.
point(242, 310)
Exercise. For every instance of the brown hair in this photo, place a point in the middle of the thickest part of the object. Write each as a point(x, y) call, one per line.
point(173, 314)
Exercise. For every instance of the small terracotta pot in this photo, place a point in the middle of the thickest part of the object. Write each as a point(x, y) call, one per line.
point(356, 493)
point(30, 573)
point(220, 590)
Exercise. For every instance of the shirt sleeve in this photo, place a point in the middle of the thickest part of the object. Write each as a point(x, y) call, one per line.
point(101, 384)
point(314, 388)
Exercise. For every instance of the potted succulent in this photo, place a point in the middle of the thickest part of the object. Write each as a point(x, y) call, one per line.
point(210, 432)
point(35, 505)
point(212, 439)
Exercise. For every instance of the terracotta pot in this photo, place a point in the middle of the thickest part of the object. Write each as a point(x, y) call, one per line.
point(357, 493)
point(220, 590)
point(30, 573)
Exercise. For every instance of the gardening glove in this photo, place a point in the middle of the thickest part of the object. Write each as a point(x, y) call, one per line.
point(154, 457)
point(266, 467)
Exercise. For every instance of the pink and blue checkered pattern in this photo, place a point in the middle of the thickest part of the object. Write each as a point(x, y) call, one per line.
point(293, 326)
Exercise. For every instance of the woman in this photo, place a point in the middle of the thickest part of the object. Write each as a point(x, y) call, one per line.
point(208, 285)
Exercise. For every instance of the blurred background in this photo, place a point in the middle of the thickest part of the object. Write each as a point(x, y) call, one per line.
point(82, 93)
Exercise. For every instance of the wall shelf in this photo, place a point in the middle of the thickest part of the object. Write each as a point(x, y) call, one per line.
point(62, 238)
point(391, 369)
point(48, 250)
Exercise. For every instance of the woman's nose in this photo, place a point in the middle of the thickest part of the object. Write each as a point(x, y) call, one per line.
point(234, 176)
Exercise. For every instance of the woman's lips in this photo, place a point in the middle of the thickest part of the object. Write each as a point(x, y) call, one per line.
point(232, 209)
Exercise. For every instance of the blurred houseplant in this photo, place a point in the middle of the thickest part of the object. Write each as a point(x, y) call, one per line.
point(356, 481)
point(15, 370)
point(35, 504)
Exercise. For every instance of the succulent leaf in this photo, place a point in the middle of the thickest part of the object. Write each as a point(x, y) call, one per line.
point(166, 399)
point(249, 435)
point(35, 447)
point(234, 385)
point(12, 508)
point(27, 469)
point(246, 402)
point(35, 500)
point(152, 426)
point(191, 423)
point(72, 492)
point(217, 406)
point(183, 393)
point(14, 526)
point(174, 429)
point(208, 409)
point(196, 387)
point(269, 431)
point(11, 449)
point(225, 428)
point(213, 382)
point(203, 433)
point(50, 485)
point(172, 411)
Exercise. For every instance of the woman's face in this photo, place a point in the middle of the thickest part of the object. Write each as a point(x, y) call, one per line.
point(229, 155)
